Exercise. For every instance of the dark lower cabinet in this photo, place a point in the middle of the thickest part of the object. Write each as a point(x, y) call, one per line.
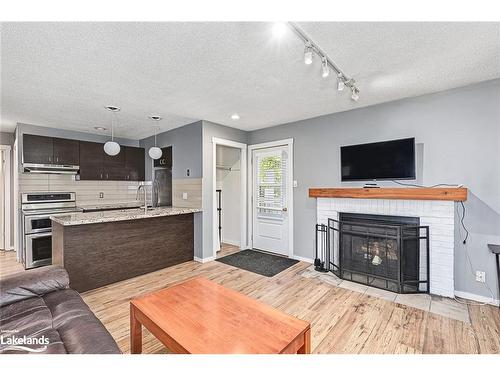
point(37, 149)
point(66, 151)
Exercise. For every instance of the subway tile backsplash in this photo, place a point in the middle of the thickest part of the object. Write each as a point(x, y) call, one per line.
point(87, 192)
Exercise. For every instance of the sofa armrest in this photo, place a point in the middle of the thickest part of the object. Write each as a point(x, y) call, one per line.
point(32, 283)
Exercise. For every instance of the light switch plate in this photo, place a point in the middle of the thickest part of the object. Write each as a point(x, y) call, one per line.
point(184, 195)
point(295, 184)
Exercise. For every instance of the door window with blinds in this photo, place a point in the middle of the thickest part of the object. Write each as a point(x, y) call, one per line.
point(271, 183)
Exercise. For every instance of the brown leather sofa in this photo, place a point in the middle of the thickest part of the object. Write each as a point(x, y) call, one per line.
point(38, 304)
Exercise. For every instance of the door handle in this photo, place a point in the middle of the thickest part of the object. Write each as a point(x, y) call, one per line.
point(284, 209)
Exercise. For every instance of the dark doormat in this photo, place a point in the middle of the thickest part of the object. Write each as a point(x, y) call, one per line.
point(258, 262)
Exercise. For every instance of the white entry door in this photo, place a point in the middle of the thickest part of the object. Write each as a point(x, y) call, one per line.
point(271, 199)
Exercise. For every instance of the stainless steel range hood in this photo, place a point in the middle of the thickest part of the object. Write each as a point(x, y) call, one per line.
point(50, 168)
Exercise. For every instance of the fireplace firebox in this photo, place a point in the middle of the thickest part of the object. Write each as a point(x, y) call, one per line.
point(387, 252)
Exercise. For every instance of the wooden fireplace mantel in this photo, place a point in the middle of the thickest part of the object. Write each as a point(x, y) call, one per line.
point(443, 194)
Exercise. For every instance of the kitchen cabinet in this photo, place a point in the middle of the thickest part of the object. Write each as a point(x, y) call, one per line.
point(134, 163)
point(95, 164)
point(48, 150)
point(114, 166)
point(66, 151)
point(166, 158)
point(91, 160)
point(37, 149)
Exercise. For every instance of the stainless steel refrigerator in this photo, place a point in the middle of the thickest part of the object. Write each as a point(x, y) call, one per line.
point(162, 186)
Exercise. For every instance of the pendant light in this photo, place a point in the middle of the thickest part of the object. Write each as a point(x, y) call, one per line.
point(111, 147)
point(155, 152)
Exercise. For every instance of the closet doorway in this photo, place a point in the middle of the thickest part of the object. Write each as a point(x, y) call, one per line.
point(230, 197)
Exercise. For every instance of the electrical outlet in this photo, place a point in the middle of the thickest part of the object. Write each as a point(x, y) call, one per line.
point(184, 195)
point(188, 172)
point(481, 276)
point(101, 195)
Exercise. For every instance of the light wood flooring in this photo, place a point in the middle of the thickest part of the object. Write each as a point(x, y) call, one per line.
point(343, 321)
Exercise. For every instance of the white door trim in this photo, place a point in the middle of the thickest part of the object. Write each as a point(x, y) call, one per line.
point(243, 192)
point(7, 219)
point(289, 144)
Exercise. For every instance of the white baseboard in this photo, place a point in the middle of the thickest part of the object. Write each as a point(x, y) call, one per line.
point(477, 297)
point(231, 242)
point(302, 259)
point(204, 260)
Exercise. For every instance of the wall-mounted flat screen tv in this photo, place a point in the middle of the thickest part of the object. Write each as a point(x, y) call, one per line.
point(390, 160)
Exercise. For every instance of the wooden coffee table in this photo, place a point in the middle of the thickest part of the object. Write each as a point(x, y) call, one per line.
point(200, 316)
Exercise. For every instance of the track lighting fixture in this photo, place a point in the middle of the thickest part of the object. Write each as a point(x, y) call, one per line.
point(327, 63)
point(355, 94)
point(325, 69)
point(308, 55)
point(340, 83)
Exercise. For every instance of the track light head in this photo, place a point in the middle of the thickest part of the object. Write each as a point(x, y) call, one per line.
point(325, 69)
point(308, 55)
point(340, 82)
point(355, 94)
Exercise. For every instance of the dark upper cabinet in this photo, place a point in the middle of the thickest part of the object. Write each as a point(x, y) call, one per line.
point(95, 164)
point(91, 161)
point(134, 163)
point(37, 149)
point(66, 151)
point(114, 166)
point(166, 158)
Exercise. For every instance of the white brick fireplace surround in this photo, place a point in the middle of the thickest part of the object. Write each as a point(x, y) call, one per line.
point(437, 214)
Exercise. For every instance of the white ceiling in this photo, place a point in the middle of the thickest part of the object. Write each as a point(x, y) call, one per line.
point(62, 74)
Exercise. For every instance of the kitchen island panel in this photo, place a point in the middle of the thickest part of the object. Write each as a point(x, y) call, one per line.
point(100, 254)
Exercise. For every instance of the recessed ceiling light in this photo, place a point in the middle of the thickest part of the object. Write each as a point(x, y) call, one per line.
point(235, 116)
point(101, 128)
point(279, 29)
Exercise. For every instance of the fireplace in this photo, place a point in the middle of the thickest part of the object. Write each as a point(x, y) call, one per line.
point(387, 252)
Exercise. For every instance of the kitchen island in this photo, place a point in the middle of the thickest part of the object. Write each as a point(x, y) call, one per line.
point(100, 248)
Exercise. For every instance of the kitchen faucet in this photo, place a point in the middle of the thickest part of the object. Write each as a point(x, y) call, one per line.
point(142, 185)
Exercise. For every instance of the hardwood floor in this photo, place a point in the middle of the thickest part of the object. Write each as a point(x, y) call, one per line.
point(342, 321)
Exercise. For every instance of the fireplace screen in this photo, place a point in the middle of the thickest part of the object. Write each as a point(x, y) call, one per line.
point(388, 252)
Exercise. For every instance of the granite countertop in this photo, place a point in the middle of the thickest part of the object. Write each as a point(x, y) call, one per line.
point(80, 218)
point(105, 206)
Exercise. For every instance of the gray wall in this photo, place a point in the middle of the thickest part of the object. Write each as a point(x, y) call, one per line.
point(211, 130)
point(460, 133)
point(6, 138)
point(186, 150)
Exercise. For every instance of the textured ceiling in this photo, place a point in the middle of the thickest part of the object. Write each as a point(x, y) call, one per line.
point(62, 74)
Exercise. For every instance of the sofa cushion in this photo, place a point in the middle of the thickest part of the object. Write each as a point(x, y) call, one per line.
point(32, 283)
point(32, 318)
point(78, 327)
